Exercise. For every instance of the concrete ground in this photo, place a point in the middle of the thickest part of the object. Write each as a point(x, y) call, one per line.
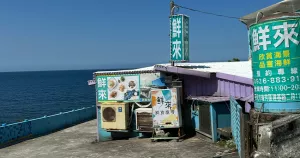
point(79, 141)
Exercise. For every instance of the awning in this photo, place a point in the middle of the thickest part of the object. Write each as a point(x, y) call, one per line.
point(287, 6)
point(215, 99)
point(247, 99)
point(209, 99)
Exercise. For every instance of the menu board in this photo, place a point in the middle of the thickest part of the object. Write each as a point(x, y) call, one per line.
point(118, 88)
point(127, 88)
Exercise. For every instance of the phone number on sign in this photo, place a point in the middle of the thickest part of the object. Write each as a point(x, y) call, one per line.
point(276, 80)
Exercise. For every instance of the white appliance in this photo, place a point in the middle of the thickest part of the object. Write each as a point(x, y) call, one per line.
point(144, 121)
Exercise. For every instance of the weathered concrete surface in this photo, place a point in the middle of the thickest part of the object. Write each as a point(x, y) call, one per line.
point(280, 138)
point(79, 141)
point(285, 139)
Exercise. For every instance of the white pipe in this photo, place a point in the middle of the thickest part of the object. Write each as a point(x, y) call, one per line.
point(257, 16)
point(143, 106)
point(172, 11)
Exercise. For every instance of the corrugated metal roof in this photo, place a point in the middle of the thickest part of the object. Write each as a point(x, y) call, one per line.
point(241, 68)
point(132, 71)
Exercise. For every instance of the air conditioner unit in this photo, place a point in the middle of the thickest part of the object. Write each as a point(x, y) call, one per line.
point(144, 121)
point(114, 116)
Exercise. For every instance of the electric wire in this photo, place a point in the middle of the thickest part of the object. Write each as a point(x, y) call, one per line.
point(209, 13)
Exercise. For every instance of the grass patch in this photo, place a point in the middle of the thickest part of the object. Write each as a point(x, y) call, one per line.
point(227, 144)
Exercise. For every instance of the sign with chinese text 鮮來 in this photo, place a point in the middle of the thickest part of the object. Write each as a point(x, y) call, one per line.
point(128, 88)
point(179, 36)
point(275, 60)
point(165, 108)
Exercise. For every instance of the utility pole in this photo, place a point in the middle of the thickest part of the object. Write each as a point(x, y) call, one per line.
point(172, 5)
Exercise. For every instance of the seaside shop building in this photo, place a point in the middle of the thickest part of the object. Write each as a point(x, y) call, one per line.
point(124, 103)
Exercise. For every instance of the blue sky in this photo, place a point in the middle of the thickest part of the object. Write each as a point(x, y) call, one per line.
point(99, 34)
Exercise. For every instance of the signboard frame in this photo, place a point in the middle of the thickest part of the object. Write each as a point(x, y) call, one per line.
point(141, 93)
point(179, 46)
point(166, 108)
point(275, 62)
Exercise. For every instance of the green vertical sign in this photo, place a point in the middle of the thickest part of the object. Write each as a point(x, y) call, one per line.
point(179, 37)
point(275, 60)
point(102, 93)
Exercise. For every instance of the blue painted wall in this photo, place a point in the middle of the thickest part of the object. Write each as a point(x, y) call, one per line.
point(220, 117)
point(103, 135)
point(195, 116)
point(44, 125)
point(213, 118)
point(223, 118)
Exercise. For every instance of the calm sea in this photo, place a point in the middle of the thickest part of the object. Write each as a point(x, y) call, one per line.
point(26, 95)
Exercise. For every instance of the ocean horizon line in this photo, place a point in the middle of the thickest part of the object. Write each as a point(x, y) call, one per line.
point(55, 70)
point(107, 68)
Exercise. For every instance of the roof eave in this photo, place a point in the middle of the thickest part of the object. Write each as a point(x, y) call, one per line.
point(288, 6)
point(234, 78)
point(124, 72)
point(178, 70)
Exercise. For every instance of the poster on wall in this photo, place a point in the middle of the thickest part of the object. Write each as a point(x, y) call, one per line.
point(165, 108)
point(123, 88)
point(145, 87)
point(127, 88)
point(118, 88)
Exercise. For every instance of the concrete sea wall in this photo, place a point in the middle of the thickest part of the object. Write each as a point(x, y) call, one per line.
point(15, 132)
